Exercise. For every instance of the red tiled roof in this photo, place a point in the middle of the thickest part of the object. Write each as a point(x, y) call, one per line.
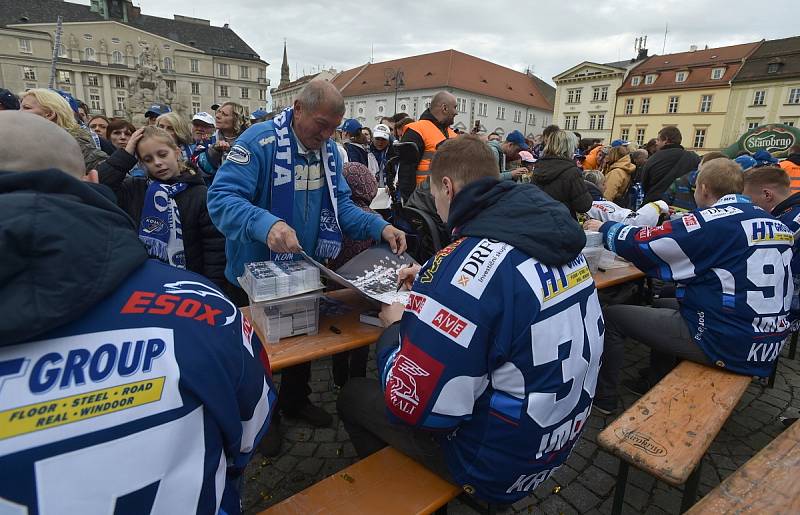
point(698, 63)
point(448, 68)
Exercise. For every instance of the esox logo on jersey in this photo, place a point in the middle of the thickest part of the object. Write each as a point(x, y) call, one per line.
point(185, 299)
point(766, 231)
point(54, 389)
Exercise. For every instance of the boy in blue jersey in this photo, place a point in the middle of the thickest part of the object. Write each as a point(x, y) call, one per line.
point(126, 385)
point(731, 261)
point(487, 374)
point(769, 188)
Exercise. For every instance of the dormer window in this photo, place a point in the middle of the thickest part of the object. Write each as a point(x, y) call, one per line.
point(681, 76)
point(649, 79)
point(717, 73)
point(773, 68)
point(635, 81)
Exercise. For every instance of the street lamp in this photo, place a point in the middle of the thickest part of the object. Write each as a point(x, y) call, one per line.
point(399, 82)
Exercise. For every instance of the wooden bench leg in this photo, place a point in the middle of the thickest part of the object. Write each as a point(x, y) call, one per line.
point(793, 345)
point(771, 381)
point(690, 488)
point(619, 491)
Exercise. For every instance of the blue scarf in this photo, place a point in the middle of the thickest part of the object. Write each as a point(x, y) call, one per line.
point(160, 227)
point(329, 240)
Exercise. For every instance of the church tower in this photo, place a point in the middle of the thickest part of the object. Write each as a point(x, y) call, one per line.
point(284, 68)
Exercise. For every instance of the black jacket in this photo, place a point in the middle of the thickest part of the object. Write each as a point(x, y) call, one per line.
point(407, 178)
point(356, 153)
point(63, 248)
point(489, 208)
point(789, 203)
point(203, 244)
point(794, 158)
point(562, 180)
point(664, 167)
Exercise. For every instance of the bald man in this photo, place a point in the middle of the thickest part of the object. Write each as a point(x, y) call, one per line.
point(427, 133)
point(126, 392)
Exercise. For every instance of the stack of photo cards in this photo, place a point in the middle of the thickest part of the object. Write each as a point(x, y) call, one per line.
point(265, 280)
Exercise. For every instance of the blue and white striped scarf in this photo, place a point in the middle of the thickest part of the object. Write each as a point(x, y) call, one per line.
point(160, 227)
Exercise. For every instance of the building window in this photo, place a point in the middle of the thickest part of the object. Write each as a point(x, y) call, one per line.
point(600, 94)
point(482, 108)
point(170, 85)
point(790, 123)
point(244, 72)
point(87, 37)
point(573, 96)
point(517, 116)
point(25, 46)
point(635, 81)
point(759, 97)
point(94, 102)
point(640, 136)
point(64, 77)
point(223, 91)
point(403, 108)
point(461, 105)
point(601, 121)
point(531, 119)
point(705, 104)
point(672, 107)
point(699, 138)
point(93, 80)
point(89, 54)
point(592, 122)
point(194, 65)
point(61, 51)
point(501, 113)
point(245, 93)
point(262, 94)
point(752, 124)
point(629, 106)
point(624, 134)
point(116, 57)
point(681, 76)
point(645, 108)
point(794, 96)
point(168, 64)
point(28, 73)
point(649, 79)
point(120, 82)
point(195, 108)
point(717, 73)
point(222, 68)
point(773, 68)
point(120, 102)
point(195, 88)
point(571, 122)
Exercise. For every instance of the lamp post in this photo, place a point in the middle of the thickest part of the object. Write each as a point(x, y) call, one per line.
point(398, 77)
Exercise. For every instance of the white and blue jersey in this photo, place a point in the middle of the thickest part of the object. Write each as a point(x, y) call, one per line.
point(500, 355)
point(788, 212)
point(152, 402)
point(732, 264)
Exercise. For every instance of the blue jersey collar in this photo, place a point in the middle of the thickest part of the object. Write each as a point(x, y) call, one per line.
point(732, 199)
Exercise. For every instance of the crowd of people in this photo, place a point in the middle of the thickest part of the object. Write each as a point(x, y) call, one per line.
point(122, 247)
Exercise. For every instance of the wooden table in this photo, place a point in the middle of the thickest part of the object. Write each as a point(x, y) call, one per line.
point(300, 349)
point(617, 276)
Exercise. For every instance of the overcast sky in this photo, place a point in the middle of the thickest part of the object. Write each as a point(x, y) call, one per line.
point(551, 37)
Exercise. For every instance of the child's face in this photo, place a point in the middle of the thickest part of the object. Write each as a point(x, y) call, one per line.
point(161, 160)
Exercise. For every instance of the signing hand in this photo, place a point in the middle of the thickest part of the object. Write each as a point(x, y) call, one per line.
point(592, 224)
point(391, 313)
point(395, 238)
point(518, 172)
point(130, 147)
point(283, 239)
point(406, 276)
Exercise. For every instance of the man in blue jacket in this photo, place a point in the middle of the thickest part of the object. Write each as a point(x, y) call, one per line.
point(487, 374)
point(281, 191)
point(731, 260)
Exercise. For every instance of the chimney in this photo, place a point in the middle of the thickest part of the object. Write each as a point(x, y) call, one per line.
point(642, 54)
point(693, 48)
point(226, 26)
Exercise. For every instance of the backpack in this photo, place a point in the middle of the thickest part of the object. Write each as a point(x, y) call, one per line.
point(634, 197)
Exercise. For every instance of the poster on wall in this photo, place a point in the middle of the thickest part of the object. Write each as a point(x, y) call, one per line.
point(775, 138)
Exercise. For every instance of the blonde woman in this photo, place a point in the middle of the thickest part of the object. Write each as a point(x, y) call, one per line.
point(558, 176)
point(618, 171)
point(50, 105)
point(231, 120)
point(180, 130)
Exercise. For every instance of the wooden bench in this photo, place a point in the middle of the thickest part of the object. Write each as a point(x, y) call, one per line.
point(387, 482)
point(767, 483)
point(667, 431)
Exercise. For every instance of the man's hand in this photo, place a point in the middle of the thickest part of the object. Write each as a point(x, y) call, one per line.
point(406, 276)
point(222, 146)
point(283, 239)
point(592, 224)
point(519, 172)
point(395, 238)
point(391, 313)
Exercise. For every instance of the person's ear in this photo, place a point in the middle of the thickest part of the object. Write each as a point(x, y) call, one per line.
point(50, 115)
point(91, 176)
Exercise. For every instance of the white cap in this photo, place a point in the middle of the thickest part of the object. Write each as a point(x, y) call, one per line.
point(204, 117)
point(381, 131)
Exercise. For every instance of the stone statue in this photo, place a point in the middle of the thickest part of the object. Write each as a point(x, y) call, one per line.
point(128, 49)
point(103, 47)
point(148, 87)
point(73, 42)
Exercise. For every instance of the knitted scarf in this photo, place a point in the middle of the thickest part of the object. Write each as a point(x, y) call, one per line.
point(160, 227)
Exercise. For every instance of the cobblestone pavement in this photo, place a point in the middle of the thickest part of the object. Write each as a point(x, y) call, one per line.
point(585, 484)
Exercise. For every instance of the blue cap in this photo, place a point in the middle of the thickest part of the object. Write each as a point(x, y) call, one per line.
point(9, 100)
point(156, 110)
point(763, 158)
point(518, 139)
point(746, 162)
point(73, 104)
point(619, 143)
point(351, 126)
point(258, 113)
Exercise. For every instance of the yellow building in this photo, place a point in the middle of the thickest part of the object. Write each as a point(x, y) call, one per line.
point(689, 90)
point(766, 89)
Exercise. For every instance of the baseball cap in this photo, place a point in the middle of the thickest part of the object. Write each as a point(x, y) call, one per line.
point(9, 100)
point(203, 117)
point(156, 110)
point(518, 139)
point(619, 143)
point(351, 126)
point(381, 131)
point(258, 113)
point(526, 157)
point(763, 157)
point(73, 104)
point(746, 162)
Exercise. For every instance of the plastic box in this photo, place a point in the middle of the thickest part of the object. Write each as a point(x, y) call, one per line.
point(289, 316)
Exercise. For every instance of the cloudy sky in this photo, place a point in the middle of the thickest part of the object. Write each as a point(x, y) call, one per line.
point(549, 35)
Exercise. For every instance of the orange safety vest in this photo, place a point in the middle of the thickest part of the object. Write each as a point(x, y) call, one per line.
point(793, 170)
point(432, 136)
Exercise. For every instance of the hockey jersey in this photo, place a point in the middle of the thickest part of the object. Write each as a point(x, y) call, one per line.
point(499, 353)
point(647, 215)
point(788, 212)
point(732, 264)
point(152, 402)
